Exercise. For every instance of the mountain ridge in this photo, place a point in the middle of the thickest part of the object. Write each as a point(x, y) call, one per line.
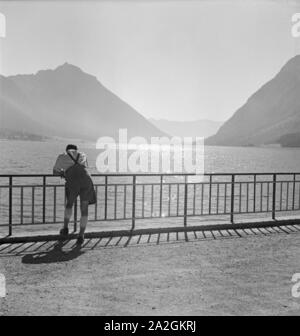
point(68, 102)
point(271, 112)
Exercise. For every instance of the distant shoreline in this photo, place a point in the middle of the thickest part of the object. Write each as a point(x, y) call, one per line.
point(37, 138)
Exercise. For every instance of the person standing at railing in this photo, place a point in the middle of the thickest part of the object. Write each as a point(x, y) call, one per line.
point(72, 165)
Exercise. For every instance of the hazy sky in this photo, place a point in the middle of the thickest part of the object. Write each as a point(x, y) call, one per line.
point(180, 60)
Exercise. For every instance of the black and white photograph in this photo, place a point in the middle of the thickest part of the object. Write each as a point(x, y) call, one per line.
point(150, 160)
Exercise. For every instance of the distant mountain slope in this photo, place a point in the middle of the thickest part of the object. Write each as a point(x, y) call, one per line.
point(8, 134)
point(290, 140)
point(200, 128)
point(67, 102)
point(270, 113)
point(12, 115)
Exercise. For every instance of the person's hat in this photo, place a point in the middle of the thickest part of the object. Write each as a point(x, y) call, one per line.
point(71, 147)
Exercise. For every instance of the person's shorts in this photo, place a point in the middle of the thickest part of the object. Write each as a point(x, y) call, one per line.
point(73, 190)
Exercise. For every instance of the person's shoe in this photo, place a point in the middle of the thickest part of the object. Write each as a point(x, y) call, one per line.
point(64, 232)
point(80, 240)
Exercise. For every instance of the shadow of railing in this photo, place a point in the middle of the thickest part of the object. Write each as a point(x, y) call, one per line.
point(58, 251)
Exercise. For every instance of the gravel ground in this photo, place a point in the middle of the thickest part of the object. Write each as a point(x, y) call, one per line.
point(239, 274)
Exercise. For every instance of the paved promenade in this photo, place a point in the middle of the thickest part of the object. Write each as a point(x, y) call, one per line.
point(196, 273)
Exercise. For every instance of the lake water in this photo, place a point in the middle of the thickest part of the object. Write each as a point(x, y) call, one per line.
point(25, 157)
point(28, 157)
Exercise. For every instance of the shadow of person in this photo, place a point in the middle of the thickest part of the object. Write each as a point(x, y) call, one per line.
point(55, 255)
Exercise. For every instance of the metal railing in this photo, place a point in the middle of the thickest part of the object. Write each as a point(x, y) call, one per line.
point(39, 199)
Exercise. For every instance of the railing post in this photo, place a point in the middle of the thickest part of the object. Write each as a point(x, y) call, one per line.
point(294, 191)
point(274, 197)
point(133, 201)
point(10, 205)
point(232, 198)
point(44, 199)
point(106, 196)
point(254, 194)
point(75, 215)
point(161, 195)
point(209, 200)
point(185, 200)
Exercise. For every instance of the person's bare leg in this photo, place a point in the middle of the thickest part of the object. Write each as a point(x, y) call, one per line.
point(68, 213)
point(84, 206)
point(67, 217)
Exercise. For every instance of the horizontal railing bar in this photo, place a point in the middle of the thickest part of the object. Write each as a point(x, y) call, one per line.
point(154, 174)
point(149, 183)
point(34, 185)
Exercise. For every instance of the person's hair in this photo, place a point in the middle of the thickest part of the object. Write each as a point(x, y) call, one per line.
point(71, 147)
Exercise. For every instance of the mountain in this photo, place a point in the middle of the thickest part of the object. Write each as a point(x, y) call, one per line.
point(270, 113)
point(290, 140)
point(200, 128)
point(12, 115)
point(67, 102)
